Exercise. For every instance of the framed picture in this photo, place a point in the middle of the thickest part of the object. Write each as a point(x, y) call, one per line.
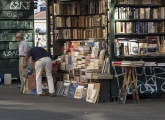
point(162, 49)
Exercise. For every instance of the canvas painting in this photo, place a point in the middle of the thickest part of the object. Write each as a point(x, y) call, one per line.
point(162, 50)
point(93, 96)
point(89, 91)
point(79, 92)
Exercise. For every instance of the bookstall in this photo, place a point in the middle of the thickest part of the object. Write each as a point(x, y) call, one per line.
point(129, 79)
point(79, 39)
point(138, 34)
point(123, 30)
point(82, 68)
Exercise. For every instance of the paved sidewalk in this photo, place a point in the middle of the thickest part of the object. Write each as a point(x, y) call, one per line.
point(16, 106)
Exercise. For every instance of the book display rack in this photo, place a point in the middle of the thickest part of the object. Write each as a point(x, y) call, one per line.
point(106, 32)
point(139, 28)
point(79, 38)
point(73, 20)
point(137, 40)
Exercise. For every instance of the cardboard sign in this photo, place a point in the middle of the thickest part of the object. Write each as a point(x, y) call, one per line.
point(31, 82)
point(122, 96)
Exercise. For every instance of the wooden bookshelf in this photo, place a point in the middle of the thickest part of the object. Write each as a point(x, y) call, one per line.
point(74, 20)
point(136, 20)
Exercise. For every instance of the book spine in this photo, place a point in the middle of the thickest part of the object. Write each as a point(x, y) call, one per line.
point(146, 27)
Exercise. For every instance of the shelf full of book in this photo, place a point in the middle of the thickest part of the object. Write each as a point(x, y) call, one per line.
point(138, 28)
point(80, 35)
point(74, 20)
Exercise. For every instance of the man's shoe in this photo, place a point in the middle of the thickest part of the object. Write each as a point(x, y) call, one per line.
point(39, 95)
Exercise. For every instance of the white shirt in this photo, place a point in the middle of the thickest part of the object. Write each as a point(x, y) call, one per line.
point(22, 48)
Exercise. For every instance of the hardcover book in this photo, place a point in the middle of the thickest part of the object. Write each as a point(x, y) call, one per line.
point(96, 20)
point(133, 48)
point(72, 90)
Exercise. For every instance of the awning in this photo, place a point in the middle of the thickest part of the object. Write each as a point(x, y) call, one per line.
point(40, 30)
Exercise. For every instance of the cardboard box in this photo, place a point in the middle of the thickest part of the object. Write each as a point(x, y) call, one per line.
point(31, 82)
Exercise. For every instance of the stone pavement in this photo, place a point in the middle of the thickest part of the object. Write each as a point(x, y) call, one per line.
point(16, 106)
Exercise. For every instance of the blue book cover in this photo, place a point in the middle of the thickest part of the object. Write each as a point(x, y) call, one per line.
point(138, 27)
point(72, 90)
point(69, 59)
point(146, 27)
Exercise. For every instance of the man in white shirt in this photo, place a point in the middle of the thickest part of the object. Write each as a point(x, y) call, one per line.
point(23, 46)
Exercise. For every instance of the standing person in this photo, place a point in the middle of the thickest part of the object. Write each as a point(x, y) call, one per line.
point(23, 46)
point(40, 60)
point(38, 42)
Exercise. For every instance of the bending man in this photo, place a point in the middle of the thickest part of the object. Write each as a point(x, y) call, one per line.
point(39, 60)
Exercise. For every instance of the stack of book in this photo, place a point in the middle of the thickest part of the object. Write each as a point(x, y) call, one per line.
point(101, 76)
point(128, 63)
point(116, 63)
point(160, 64)
point(137, 63)
point(150, 64)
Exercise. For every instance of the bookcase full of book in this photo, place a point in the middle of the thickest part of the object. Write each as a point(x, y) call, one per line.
point(73, 20)
point(137, 38)
point(139, 28)
point(78, 34)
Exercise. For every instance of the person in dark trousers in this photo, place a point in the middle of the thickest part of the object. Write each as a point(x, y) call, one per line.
point(40, 60)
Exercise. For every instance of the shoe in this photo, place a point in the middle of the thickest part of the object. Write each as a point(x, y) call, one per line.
point(20, 91)
point(39, 95)
point(52, 95)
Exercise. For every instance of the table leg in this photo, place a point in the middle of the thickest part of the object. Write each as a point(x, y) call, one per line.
point(125, 78)
point(131, 84)
point(135, 86)
point(129, 78)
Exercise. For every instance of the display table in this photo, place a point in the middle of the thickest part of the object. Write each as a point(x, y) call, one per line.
point(128, 81)
point(104, 80)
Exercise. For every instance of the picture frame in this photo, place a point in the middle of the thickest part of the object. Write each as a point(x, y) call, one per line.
point(162, 47)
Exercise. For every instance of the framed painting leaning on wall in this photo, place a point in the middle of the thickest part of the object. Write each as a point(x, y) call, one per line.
point(162, 47)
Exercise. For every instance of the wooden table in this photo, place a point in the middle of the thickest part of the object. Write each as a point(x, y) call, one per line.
point(128, 81)
point(104, 80)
